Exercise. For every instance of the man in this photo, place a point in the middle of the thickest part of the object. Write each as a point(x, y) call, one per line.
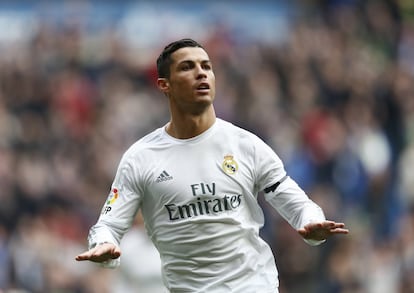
point(196, 182)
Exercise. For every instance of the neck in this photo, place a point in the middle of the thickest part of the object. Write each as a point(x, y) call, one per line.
point(188, 125)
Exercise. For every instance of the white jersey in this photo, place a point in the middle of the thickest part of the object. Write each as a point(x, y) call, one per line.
point(198, 197)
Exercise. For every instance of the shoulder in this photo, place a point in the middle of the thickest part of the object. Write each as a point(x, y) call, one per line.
point(144, 145)
point(247, 142)
point(231, 129)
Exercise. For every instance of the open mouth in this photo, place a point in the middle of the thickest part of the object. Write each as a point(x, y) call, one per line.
point(203, 87)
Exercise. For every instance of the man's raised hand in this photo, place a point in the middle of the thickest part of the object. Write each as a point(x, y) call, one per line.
point(322, 230)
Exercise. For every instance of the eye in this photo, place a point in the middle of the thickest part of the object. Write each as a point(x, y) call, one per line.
point(207, 66)
point(186, 66)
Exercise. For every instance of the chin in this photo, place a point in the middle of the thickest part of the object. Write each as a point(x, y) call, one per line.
point(204, 99)
point(202, 105)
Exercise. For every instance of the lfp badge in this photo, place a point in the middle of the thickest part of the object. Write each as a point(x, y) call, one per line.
point(113, 196)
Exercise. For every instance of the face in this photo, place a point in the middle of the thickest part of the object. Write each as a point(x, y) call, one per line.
point(191, 85)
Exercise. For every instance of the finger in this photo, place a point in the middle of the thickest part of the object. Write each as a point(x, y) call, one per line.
point(339, 231)
point(100, 253)
point(302, 232)
point(339, 225)
point(116, 253)
point(83, 256)
point(91, 254)
point(108, 249)
point(313, 226)
point(328, 225)
point(305, 233)
point(101, 250)
point(105, 252)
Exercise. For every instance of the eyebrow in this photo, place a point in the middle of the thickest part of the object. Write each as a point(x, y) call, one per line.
point(192, 61)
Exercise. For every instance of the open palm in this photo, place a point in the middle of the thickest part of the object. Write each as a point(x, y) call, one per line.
point(322, 230)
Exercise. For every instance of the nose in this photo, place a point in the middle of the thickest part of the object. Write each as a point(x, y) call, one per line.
point(200, 72)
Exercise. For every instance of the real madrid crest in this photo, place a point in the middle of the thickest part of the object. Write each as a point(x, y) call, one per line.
point(229, 165)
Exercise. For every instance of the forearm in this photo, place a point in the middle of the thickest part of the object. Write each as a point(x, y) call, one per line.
point(294, 205)
point(107, 231)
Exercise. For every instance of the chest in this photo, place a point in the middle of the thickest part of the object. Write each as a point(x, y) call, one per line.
point(185, 174)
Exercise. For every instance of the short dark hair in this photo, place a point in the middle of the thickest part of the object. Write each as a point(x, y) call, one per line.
point(164, 60)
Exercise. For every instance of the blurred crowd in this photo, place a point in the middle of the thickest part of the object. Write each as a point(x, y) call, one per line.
point(335, 99)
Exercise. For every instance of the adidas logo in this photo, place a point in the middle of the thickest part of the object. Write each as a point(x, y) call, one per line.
point(164, 176)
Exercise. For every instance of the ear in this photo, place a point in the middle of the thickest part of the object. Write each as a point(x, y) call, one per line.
point(163, 84)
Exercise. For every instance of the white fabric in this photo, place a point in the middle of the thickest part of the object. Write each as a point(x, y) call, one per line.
point(201, 213)
point(141, 266)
